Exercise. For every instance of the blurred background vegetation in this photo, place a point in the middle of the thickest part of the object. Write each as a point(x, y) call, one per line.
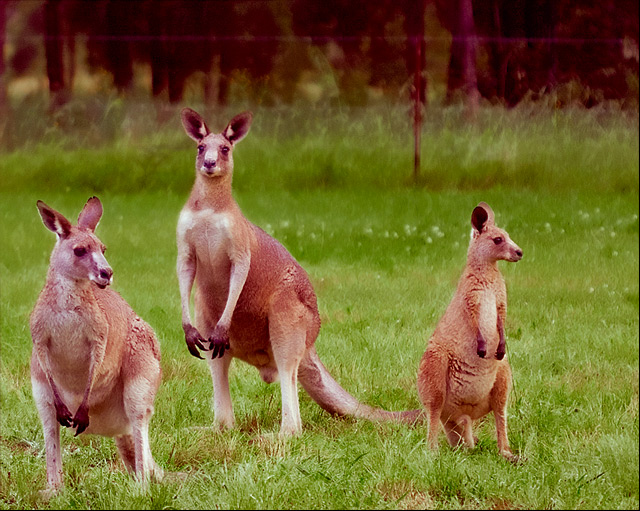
point(554, 53)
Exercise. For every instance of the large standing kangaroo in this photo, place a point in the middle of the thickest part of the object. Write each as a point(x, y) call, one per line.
point(252, 300)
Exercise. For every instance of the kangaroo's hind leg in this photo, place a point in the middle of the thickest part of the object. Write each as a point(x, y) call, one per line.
point(205, 322)
point(287, 333)
point(222, 404)
point(498, 401)
point(139, 411)
point(140, 385)
point(432, 389)
point(126, 448)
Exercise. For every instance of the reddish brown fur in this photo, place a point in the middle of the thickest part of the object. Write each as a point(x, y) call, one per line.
point(253, 301)
point(464, 375)
point(91, 352)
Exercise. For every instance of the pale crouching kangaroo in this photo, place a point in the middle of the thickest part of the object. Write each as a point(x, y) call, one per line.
point(91, 352)
point(464, 374)
point(252, 300)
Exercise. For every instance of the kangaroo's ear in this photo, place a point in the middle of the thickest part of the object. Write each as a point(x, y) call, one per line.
point(238, 127)
point(491, 217)
point(90, 214)
point(54, 221)
point(193, 124)
point(480, 217)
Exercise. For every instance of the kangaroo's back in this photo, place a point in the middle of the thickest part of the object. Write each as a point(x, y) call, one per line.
point(274, 267)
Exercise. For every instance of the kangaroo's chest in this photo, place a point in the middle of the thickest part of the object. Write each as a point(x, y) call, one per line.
point(209, 236)
point(488, 312)
point(71, 333)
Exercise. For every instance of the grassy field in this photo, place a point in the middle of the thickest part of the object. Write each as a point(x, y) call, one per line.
point(384, 256)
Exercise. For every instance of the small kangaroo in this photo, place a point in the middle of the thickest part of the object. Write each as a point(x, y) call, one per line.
point(91, 352)
point(457, 382)
point(253, 301)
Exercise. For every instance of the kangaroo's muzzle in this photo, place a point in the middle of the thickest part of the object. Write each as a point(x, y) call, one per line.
point(104, 278)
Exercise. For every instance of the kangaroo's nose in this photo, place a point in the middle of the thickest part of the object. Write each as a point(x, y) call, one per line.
point(519, 253)
point(106, 273)
point(208, 164)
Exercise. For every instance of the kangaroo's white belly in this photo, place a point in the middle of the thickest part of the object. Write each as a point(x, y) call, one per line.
point(488, 319)
point(209, 235)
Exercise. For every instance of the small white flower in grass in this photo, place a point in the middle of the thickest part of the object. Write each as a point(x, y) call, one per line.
point(615, 253)
point(284, 224)
point(313, 235)
point(368, 231)
point(409, 229)
point(437, 232)
point(612, 234)
point(591, 290)
point(429, 240)
point(547, 227)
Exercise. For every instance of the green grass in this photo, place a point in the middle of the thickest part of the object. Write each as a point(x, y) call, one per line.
point(384, 258)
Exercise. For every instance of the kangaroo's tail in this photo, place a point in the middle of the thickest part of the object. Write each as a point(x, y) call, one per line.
point(324, 390)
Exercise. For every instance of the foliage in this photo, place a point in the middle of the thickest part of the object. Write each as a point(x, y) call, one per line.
point(523, 48)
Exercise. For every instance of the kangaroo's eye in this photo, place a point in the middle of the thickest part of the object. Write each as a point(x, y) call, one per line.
point(200, 149)
point(79, 251)
point(497, 240)
point(224, 150)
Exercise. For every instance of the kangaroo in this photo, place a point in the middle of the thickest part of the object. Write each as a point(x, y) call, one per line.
point(457, 382)
point(253, 301)
point(91, 352)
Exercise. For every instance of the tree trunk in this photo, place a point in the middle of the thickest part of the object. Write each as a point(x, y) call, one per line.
point(54, 52)
point(4, 102)
point(118, 47)
point(462, 62)
point(416, 47)
point(158, 49)
point(416, 64)
point(468, 31)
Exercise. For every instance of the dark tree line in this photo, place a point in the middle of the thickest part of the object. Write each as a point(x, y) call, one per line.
point(503, 50)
